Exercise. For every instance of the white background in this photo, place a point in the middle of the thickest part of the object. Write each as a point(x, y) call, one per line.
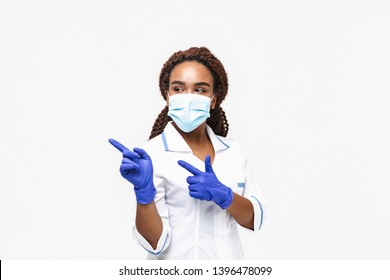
point(308, 99)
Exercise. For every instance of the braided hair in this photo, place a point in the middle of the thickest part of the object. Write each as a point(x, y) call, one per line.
point(217, 120)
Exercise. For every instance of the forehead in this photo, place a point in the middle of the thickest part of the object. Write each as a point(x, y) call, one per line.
point(191, 71)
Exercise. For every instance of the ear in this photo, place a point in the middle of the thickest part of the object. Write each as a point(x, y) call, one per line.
point(213, 101)
point(167, 98)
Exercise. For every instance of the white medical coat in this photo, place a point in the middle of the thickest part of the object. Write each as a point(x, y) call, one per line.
point(193, 228)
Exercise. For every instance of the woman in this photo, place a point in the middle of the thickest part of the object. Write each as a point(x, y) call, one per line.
point(192, 184)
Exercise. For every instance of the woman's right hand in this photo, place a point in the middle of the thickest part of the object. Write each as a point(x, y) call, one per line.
point(137, 168)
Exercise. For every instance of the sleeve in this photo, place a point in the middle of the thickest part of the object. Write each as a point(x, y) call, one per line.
point(253, 193)
point(162, 209)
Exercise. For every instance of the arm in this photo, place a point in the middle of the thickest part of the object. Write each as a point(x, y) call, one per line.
point(148, 223)
point(206, 186)
point(137, 168)
point(241, 210)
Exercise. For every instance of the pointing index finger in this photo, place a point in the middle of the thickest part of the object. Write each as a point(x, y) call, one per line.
point(189, 167)
point(117, 145)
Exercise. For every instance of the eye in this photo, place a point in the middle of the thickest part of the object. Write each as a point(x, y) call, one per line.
point(200, 90)
point(178, 89)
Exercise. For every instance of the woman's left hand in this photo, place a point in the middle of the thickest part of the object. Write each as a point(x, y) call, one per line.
point(206, 186)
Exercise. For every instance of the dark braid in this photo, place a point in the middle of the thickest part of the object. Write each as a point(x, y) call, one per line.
point(160, 123)
point(217, 120)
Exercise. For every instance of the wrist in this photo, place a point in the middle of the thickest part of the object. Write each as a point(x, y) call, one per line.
point(145, 195)
point(228, 199)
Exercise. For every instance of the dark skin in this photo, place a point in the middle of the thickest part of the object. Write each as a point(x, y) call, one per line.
point(191, 77)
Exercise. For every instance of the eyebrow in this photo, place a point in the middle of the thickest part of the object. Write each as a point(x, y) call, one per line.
point(196, 84)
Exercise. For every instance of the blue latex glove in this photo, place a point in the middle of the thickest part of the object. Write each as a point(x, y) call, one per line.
point(137, 168)
point(206, 186)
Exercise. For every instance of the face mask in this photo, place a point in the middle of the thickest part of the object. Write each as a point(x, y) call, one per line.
point(189, 110)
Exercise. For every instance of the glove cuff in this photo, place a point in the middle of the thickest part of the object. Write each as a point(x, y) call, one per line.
point(145, 195)
point(229, 199)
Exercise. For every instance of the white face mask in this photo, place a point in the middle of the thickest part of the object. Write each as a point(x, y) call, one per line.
point(189, 110)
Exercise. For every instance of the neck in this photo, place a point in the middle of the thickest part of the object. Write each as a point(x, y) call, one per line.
point(197, 136)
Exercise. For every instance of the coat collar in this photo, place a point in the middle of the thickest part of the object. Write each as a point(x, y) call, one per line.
point(173, 141)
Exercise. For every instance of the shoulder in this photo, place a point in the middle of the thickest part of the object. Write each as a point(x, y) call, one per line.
point(155, 145)
point(229, 142)
point(233, 147)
